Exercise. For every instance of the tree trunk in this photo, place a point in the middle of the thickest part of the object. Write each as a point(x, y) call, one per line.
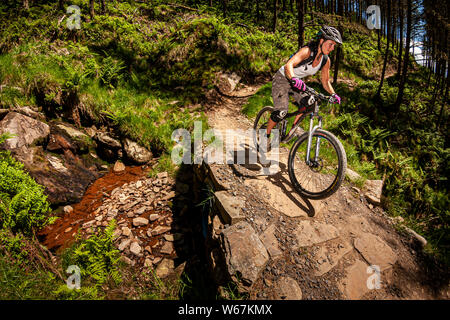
point(301, 12)
point(378, 33)
point(91, 8)
point(401, 87)
point(360, 11)
point(26, 5)
point(275, 5)
point(436, 88)
point(378, 95)
point(399, 67)
point(103, 6)
point(444, 101)
point(258, 17)
point(394, 27)
point(338, 51)
point(61, 4)
point(224, 6)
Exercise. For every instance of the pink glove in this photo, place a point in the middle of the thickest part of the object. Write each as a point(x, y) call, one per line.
point(335, 98)
point(298, 84)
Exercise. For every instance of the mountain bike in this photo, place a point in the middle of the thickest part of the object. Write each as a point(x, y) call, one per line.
point(317, 160)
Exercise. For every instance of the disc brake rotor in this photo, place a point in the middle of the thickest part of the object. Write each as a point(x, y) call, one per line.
point(316, 166)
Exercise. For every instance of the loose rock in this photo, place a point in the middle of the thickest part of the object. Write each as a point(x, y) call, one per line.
point(135, 248)
point(137, 222)
point(119, 166)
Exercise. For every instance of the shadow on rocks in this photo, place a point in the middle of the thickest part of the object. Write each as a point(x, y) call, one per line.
point(188, 220)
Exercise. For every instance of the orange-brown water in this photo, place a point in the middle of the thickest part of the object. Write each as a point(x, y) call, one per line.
point(62, 233)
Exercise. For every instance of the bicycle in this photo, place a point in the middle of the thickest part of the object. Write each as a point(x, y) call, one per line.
point(317, 155)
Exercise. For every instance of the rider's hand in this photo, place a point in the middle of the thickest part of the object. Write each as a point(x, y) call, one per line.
point(335, 98)
point(298, 84)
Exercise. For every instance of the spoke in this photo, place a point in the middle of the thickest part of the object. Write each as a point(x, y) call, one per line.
point(319, 179)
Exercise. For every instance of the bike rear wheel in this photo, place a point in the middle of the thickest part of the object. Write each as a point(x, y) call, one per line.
point(260, 126)
point(324, 174)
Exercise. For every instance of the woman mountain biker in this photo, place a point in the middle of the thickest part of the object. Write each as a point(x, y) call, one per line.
point(307, 61)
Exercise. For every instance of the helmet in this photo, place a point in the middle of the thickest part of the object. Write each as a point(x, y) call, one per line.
point(330, 33)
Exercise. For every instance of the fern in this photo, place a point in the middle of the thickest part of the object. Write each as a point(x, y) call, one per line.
point(97, 257)
point(23, 204)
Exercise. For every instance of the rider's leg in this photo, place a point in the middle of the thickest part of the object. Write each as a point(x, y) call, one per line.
point(280, 96)
point(270, 126)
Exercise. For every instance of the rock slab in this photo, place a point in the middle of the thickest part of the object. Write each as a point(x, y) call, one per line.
point(375, 251)
point(229, 207)
point(354, 285)
point(27, 131)
point(270, 242)
point(328, 258)
point(312, 232)
point(136, 153)
point(245, 254)
point(287, 289)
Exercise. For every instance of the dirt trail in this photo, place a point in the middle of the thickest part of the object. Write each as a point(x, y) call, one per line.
point(328, 244)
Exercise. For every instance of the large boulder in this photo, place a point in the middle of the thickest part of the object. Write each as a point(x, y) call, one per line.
point(352, 175)
point(245, 254)
point(58, 143)
point(135, 153)
point(81, 141)
point(28, 131)
point(65, 177)
point(31, 112)
point(108, 147)
point(63, 174)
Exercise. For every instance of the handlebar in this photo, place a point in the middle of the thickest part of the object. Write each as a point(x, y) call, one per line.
point(315, 93)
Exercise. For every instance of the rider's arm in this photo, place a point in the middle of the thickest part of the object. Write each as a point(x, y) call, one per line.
point(325, 78)
point(301, 55)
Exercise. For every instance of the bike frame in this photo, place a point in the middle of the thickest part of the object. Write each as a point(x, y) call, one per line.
point(286, 137)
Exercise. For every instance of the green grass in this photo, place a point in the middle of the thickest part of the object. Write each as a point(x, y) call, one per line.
point(18, 284)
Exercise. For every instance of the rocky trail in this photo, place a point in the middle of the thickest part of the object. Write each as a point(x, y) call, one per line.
point(302, 249)
point(280, 245)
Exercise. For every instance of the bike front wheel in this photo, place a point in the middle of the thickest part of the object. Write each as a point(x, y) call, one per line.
point(323, 174)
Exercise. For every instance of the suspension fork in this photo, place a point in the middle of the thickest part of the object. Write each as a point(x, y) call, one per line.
point(310, 135)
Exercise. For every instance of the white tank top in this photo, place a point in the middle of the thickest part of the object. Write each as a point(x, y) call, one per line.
point(304, 70)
